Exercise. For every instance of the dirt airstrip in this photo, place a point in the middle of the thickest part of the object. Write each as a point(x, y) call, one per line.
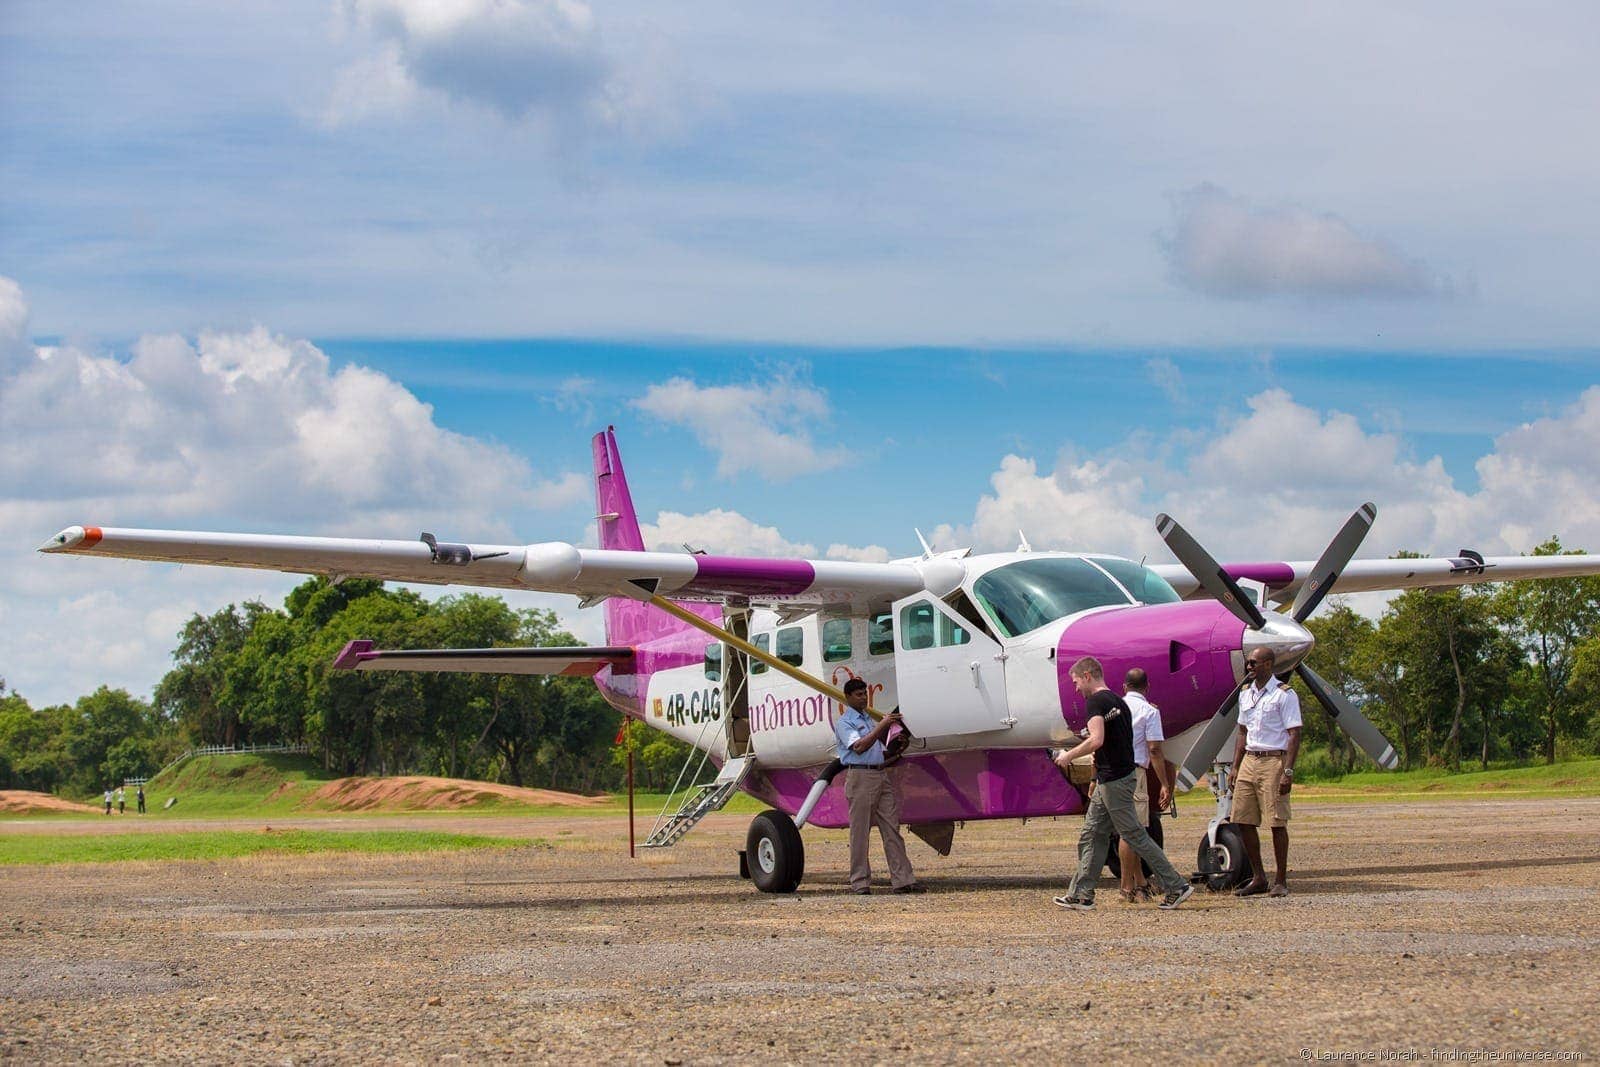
point(1439, 931)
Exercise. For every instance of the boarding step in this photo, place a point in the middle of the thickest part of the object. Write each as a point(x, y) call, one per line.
point(701, 802)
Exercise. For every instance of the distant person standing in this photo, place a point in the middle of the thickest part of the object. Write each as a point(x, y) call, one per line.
point(870, 794)
point(122, 801)
point(1110, 738)
point(1148, 759)
point(139, 796)
point(108, 800)
point(1264, 754)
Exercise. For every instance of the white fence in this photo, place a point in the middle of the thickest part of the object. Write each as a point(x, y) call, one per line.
point(235, 750)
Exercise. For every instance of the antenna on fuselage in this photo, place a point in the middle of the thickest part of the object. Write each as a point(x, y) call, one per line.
point(927, 549)
point(1024, 546)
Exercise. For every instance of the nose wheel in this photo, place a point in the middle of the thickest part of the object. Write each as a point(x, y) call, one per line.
point(775, 853)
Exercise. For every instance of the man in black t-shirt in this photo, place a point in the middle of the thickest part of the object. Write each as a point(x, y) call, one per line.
point(1110, 738)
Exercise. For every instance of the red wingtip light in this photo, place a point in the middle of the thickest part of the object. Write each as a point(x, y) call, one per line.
point(91, 537)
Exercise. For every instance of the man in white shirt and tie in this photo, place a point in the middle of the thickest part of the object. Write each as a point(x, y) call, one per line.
point(1263, 760)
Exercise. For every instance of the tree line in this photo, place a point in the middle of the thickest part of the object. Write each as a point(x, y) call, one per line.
point(250, 674)
point(1453, 677)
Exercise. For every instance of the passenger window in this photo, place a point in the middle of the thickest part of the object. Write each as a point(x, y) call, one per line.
point(880, 634)
point(792, 645)
point(836, 640)
point(714, 661)
point(916, 626)
point(950, 633)
point(764, 643)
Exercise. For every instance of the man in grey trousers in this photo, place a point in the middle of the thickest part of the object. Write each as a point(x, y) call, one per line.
point(1110, 738)
point(870, 793)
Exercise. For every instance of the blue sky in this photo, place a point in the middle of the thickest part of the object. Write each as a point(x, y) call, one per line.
point(374, 266)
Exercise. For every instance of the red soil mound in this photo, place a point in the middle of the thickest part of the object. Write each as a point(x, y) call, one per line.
point(27, 802)
point(432, 794)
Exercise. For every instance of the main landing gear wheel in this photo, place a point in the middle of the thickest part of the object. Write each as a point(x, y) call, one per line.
point(1224, 865)
point(775, 852)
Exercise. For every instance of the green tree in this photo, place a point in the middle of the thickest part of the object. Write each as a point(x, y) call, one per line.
point(1551, 619)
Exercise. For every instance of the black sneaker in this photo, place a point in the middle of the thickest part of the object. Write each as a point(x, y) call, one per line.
point(1176, 897)
point(1075, 903)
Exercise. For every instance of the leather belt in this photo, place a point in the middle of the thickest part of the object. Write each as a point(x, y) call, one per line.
point(863, 766)
point(1266, 752)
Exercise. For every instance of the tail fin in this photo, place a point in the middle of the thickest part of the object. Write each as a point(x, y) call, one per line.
point(619, 524)
point(628, 622)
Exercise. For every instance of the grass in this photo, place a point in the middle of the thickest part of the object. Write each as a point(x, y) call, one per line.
point(265, 784)
point(1576, 778)
point(30, 849)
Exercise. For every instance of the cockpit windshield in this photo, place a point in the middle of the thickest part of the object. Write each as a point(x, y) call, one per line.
point(1030, 593)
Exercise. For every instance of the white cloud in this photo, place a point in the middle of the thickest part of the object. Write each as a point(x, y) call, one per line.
point(1540, 479)
point(721, 533)
point(233, 431)
point(760, 428)
point(515, 57)
point(1277, 481)
point(868, 554)
point(1225, 246)
point(1085, 505)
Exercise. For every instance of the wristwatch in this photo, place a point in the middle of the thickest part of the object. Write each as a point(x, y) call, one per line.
point(1288, 772)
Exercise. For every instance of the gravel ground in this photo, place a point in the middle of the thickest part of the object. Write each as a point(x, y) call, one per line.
point(1433, 931)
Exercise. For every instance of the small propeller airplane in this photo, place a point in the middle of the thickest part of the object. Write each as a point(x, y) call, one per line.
point(742, 656)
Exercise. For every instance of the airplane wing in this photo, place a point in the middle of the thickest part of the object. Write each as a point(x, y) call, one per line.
point(552, 567)
point(574, 662)
point(1283, 580)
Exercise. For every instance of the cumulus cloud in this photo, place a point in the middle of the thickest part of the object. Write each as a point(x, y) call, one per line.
point(514, 57)
point(1539, 480)
point(867, 554)
point(1083, 505)
point(760, 428)
point(721, 533)
point(1225, 246)
point(1277, 480)
point(230, 430)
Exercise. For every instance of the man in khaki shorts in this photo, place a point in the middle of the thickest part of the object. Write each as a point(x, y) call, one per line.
point(1263, 758)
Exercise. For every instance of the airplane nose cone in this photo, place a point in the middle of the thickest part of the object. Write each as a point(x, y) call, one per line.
point(1289, 641)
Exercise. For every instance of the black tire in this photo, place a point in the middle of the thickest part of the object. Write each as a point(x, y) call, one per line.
point(776, 854)
point(1224, 866)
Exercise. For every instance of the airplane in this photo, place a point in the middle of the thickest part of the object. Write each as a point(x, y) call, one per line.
point(742, 657)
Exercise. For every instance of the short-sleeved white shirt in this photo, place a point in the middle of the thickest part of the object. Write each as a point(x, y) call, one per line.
point(1146, 727)
point(1267, 715)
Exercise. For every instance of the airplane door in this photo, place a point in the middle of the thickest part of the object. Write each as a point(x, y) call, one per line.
point(950, 677)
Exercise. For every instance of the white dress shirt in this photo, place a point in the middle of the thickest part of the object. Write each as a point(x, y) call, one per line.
point(1146, 727)
point(1267, 714)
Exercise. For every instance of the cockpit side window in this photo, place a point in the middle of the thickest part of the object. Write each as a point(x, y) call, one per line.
point(1146, 585)
point(1023, 596)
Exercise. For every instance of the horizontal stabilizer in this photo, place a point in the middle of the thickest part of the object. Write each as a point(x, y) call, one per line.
point(573, 662)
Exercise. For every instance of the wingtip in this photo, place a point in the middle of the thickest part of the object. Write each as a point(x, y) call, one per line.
point(73, 539)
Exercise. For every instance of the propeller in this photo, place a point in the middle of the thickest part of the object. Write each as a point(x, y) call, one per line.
point(1351, 721)
point(1212, 578)
point(1220, 584)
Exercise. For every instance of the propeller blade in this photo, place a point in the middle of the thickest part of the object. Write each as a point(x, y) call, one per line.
point(1350, 720)
point(1212, 578)
point(1320, 581)
point(1218, 732)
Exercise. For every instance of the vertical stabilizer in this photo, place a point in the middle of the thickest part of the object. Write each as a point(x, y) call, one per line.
point(618, 523)
point(629, 622)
